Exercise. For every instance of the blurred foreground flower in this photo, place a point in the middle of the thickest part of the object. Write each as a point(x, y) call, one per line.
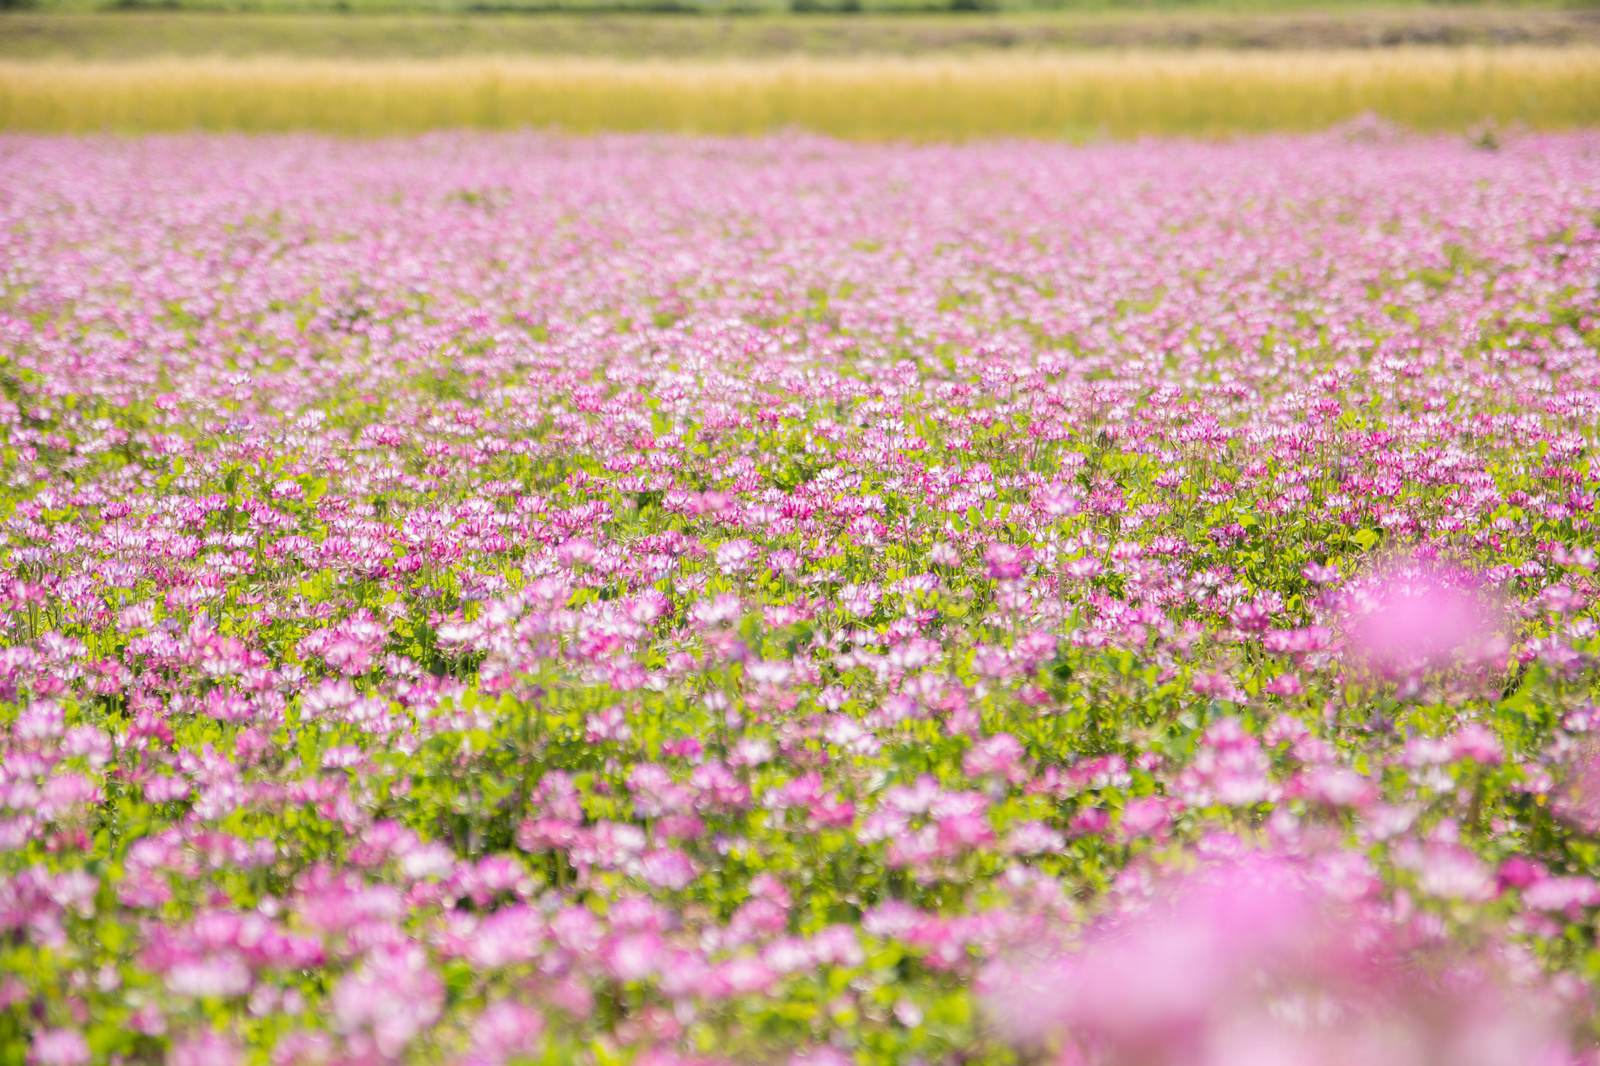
point(1415, 618)
point(1578, 801)
point(1254, 962)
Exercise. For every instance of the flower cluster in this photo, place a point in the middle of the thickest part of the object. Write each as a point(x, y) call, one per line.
point(499, 599)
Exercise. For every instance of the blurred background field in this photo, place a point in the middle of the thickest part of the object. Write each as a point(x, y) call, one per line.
point(136, 33)
point(1071, 8)
point(1077, 96)
point(921, 69)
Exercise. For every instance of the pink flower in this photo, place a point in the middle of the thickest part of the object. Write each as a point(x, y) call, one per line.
point(1006, 562)
point(205, 1049)
point(1000, 756)
point(388, 1001)
point(1338, 786)
point(503, 1031)
point(859, 600)
point(1319, 574)
point(635, 956)
point(1449, 871)
point(667, 868)
point(735, 556)
point(1146, 816)
point(58, 1047)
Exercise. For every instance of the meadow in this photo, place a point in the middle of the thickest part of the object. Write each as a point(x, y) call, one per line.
point(158, 33)
point(1071, 95)
point(517, 598)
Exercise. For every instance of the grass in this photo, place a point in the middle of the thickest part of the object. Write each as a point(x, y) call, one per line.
point(1080, 96)
point(130, 35)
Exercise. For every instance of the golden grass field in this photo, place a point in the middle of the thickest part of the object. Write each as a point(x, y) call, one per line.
point(1062, 95)
point(1192, 24)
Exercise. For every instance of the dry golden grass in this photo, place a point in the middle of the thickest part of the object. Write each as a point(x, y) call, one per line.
point(1117, 94)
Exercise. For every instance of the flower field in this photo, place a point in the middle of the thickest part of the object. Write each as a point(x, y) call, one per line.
point(510, 598)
